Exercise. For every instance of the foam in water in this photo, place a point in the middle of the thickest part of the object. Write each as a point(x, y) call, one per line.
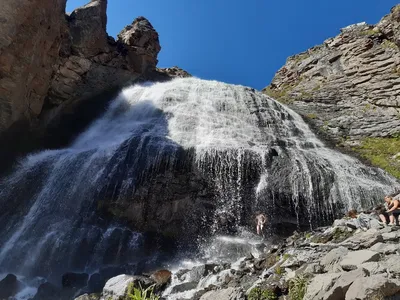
point(256, 153)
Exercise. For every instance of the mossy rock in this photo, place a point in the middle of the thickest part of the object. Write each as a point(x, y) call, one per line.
point(262, 294)
point(339, 235)
point(382, 152)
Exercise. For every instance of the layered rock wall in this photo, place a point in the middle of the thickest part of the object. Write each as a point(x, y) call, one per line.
point(348, 87)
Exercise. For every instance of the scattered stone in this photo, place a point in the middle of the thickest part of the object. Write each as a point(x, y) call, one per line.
point(391, 264)
point(365, 239)
point(198, 272)
point(47, 291)
point(342, 284)
point(376, 285)
point(116, 287)
point(161, 277)
point(339, 222)
point(186, 286)
point(292, 262)
point(391, 236)
point(373, 267)
point(224, 294)
point(74, 280)
point(353, 259)
point(320, 285)
point(89, 297)
point(385, 248)
point(10, 286)
point(314, 268)
point(96, 283)
point(332, 257)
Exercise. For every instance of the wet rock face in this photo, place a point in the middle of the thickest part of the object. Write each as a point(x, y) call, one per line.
point(48, 58)
point(10, 286)
point(348, 87)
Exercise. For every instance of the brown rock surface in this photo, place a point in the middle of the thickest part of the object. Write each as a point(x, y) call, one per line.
point(48, 58)
point(30, 38)
point(348, 87)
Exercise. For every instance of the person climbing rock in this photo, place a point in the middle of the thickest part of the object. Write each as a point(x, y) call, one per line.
point(261, 219)
point(392, 209)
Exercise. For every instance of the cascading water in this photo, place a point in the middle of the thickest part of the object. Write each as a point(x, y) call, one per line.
point(218, 152)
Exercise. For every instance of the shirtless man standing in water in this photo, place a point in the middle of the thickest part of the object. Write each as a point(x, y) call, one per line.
point(260, 220)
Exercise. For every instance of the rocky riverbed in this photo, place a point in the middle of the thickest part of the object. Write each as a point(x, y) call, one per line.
point(329, 263)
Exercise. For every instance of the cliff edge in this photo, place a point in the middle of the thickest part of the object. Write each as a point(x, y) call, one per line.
point(348, 89)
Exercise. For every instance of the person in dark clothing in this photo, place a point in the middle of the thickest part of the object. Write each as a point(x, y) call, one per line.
point(392, 210)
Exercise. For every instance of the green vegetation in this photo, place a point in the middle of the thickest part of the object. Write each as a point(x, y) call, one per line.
point(311, 116)
point(279, 94)
point(339, 235)
point(259, 294)
point(286, 256)
point(367, 107)
point(389, 45)
point(369, 32)
point(308, 235)
point(396, 70)
point(278, 270)
point(298, 287)
point(300, 57)
point(140, 293)
point(382, 153)
point(316, 88)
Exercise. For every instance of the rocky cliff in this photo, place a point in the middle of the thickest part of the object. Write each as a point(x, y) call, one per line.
point(50, 62)
point(349, 87)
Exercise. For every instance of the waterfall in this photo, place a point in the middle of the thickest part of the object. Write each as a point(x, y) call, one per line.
point(173, 156)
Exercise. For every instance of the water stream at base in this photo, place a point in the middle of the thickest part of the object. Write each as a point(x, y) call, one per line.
point(255, 153)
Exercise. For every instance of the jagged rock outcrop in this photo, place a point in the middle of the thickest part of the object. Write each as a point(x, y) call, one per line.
point(87, 26)
point(90, 69)
point(174, 72)
point(348, 87)
point(49, 58)
point(58, 72)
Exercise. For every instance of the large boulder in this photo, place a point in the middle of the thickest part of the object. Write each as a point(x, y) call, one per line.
point(364, 239)
point(74, 280)
point(117, 287)
point(161, 277)
point(333, 257)
point(374, 287)
point(47, 291)
point(88, 297)
point(224, 294)
point(385, 248)
point(320, 285)
point(354, 259)
point(342, 284)
point(10, 286)
point(96, 283)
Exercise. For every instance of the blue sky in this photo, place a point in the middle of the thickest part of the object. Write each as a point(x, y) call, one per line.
point(239, 41)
